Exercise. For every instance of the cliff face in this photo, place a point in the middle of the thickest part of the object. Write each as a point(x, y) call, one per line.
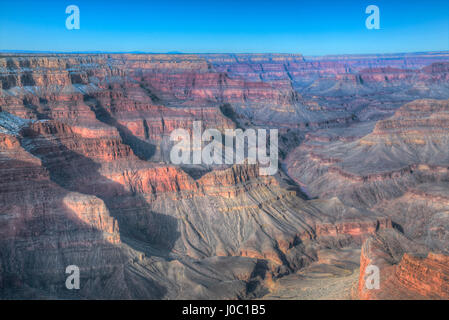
point(44, 226)
point(281, 90)
point(403, 275)
point(398, 168)
point(86, 178)
point(334, 90)
point(404, 150)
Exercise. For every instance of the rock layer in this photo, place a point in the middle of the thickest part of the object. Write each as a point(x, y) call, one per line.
point(86, 177)
point(405, 271)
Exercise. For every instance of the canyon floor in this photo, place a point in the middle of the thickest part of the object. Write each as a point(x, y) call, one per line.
point(86, 177)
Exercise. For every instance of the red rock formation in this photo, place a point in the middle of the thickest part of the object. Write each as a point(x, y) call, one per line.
point(402, 275)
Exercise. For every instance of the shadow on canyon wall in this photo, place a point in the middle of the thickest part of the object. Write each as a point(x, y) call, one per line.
point(142, 149)
point(78, 173)
point(36, 248)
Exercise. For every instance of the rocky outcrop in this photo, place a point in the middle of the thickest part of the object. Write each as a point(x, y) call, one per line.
point(403, 274)
point(406, 149)
point(45, 227)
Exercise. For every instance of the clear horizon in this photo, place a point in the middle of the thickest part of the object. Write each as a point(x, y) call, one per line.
point(199, 27)
point(206, 53)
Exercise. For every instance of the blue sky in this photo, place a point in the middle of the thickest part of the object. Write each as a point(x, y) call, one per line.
point(307, 27)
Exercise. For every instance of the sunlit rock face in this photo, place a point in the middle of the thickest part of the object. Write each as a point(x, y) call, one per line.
point(407, 271)
point(400, 170)
point(86, 177)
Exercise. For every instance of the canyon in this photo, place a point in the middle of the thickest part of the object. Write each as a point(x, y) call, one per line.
point(86, 177)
